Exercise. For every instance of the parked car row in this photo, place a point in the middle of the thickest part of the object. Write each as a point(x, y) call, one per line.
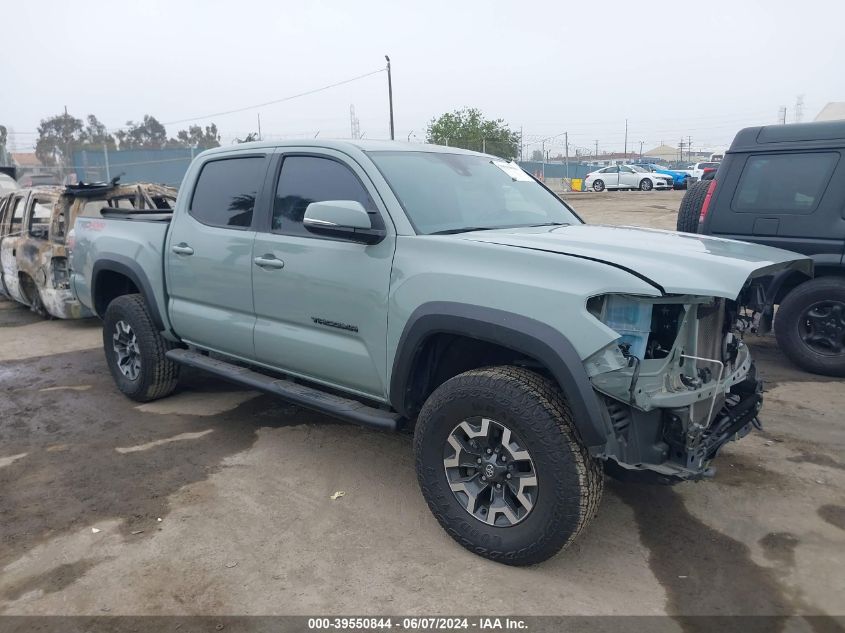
point(627, 177)
point(34, 224)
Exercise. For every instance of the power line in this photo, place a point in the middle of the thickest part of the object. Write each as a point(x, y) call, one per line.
point(275, 101)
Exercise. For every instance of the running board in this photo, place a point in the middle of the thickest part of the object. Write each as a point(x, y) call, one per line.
point(337, 406)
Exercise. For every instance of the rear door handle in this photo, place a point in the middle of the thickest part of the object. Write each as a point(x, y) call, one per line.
point(182, 249)
point(269, 261)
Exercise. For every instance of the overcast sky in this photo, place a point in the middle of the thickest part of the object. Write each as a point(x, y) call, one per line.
point(704, 68)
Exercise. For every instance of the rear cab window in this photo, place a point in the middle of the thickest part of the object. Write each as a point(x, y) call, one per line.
point(226, 191)
point(784, 183)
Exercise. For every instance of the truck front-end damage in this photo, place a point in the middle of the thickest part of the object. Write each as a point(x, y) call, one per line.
point(678, 383)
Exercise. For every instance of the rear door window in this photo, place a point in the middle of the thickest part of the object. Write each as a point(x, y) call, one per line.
point(226, 191)
point(39, 217)
point(784, 183)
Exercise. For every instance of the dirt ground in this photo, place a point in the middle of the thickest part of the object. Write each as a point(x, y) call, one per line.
point(217, 501)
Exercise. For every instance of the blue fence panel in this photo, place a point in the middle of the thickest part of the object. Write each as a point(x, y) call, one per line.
point(163, 166)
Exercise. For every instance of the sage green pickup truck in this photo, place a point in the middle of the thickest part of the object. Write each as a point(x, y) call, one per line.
point(407, 286)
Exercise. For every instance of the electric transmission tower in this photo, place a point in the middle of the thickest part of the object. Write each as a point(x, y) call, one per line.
point(799, 108)
point(354, 124)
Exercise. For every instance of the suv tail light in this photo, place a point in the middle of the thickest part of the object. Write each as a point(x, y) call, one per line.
point(706, 204)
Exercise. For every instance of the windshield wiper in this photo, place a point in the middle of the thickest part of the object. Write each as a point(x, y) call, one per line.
point(551, 224)
point(465, 229)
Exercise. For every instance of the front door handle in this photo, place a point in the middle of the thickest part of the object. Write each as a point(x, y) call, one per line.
point(182, 249)
point(269, 261)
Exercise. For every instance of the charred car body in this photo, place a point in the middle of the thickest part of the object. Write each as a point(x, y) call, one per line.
point(34, 225)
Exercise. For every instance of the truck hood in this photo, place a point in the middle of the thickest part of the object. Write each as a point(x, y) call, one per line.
point(675, 263)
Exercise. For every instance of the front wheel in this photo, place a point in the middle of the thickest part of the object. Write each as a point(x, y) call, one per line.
point(810, 326)
point(646, 184)
point(135, 351)
point(501, 467)
point(598, 185)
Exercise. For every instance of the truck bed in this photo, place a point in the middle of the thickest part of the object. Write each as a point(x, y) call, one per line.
point(133, 242)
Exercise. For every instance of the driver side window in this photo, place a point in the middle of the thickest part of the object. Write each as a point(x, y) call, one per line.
point(307, 179)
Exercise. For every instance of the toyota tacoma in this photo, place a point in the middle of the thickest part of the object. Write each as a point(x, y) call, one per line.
point(446, 292)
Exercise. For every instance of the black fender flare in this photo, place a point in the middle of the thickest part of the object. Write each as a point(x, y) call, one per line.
point(133, 271)
point(527, 336)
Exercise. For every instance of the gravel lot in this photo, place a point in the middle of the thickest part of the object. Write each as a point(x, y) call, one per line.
point(217, 501)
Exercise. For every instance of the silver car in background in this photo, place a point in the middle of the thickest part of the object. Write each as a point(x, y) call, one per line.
point(626, 177)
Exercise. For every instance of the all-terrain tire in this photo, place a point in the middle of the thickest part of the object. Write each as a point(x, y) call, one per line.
point(570, 481)
point(690, 209)
point(790, 322)
point(158, 376)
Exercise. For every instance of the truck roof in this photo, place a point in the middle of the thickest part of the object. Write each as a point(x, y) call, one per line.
point(792, 134)
point(345, 145)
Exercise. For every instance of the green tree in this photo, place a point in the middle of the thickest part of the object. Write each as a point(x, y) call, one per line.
point(467, 128)
point(196, 136)
point(57, 137)
point(95, 134)
point(146, 134)
point(536, 155)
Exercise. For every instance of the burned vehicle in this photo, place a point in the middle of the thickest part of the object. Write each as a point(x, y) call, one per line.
point(34, 223)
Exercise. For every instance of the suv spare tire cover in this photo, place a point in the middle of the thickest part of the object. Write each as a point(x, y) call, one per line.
point(690, 209)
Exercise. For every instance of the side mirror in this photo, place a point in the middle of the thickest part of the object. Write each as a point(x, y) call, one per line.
point(343, 219)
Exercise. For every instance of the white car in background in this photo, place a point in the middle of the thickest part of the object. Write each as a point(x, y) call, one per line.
point(626, 177)
point(697, 170)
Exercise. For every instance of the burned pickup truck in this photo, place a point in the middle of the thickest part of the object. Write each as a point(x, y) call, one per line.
point(34, 223)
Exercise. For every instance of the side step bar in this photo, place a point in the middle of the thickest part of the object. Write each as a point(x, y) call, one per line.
point(337, 406)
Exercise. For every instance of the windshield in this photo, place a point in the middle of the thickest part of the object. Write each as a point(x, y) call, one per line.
point(708, 165)
point(444, 193)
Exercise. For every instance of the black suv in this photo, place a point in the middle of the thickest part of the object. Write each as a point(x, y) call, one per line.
point(784, 186)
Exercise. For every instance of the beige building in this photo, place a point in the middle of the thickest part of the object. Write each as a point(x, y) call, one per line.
point(833, 111)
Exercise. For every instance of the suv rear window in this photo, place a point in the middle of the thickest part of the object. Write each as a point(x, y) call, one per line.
point(784, 183)
point(226, 191)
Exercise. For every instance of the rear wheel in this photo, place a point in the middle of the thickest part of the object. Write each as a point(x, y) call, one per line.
point(501, 467)
point(810, 326)
point(646, 184)
point(598, 185)
point(690, 209)
point(135, 351)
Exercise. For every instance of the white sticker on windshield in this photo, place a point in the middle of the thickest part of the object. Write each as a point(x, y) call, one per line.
point(512, 169)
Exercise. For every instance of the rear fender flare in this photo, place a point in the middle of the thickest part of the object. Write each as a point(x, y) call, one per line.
point(132, 270)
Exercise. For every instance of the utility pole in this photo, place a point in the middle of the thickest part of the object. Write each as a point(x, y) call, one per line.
point(641, 150)
point(259, 126)
point(566, 141)
point(626, 139)
point(689, 148)
point(390, 95)
point(520, 144)
point(597, 149)
point(782, 114)
point(543, 152)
